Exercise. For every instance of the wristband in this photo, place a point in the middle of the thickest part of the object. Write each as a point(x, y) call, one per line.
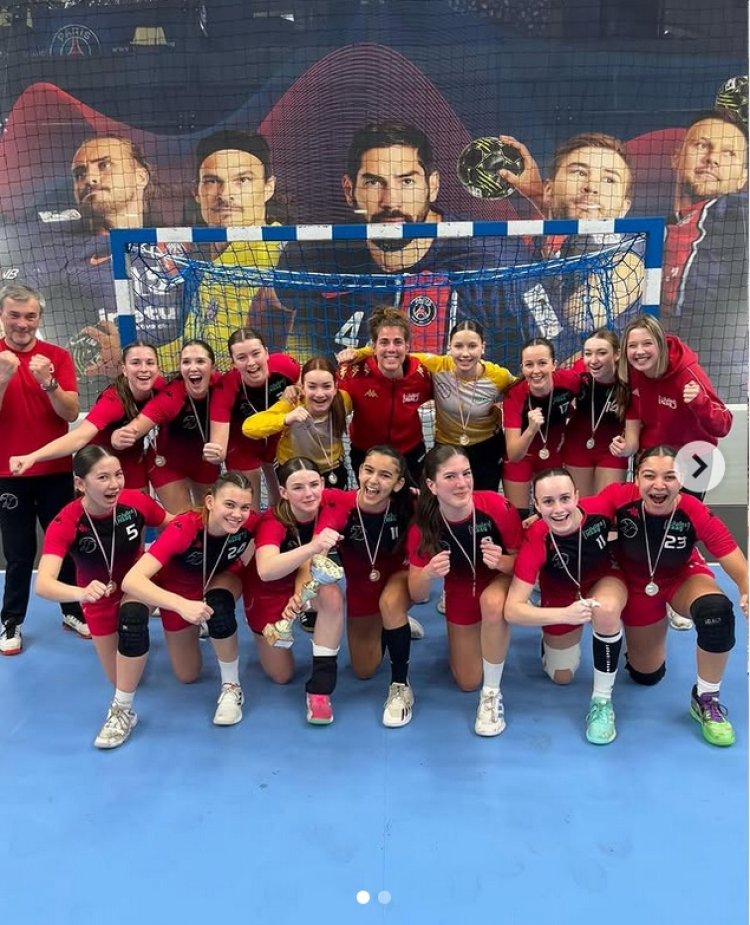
point(51, 386)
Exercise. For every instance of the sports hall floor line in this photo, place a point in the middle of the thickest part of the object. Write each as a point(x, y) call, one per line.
point(278, 822)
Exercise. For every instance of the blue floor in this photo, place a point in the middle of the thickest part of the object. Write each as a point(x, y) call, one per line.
point(275, 821)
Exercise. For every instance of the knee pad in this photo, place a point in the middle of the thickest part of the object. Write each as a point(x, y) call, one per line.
point(647, 678)
point(223, 622)
point(554, 660)
point(713, 616)
point(133, 638)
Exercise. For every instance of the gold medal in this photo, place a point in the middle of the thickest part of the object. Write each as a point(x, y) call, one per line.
point(544, 453)
point(111, 587)
point(464, 439)
point(333, 478)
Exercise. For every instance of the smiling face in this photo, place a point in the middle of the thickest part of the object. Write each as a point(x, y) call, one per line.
point(196, 368)
point(711, 161)
point(590, 182)
point(390, 349)
point(318, 392)
point(453, 486)
point(600, 359)
point(20, 321)
point(466, 350)
point(102, 485)
point(659, 484)
point(141, 370)
point(233, 189)
point(537, 367)
point(556, 501)
point(250, 357)
point(228, 509)
point(642, 351)
point(303, 491)
point(379, 477)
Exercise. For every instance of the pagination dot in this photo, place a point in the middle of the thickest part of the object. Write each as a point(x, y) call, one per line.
point(384, 897)
point(363, 897)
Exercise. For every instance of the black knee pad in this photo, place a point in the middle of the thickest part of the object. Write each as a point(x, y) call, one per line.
point(133, 638)
point(647, 678)
point(223, 622)
point(713, 616)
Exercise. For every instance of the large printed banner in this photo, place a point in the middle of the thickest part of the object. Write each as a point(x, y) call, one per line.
point(656, 142)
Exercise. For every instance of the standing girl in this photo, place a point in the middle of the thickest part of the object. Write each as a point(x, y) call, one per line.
point(102, 530)
point(534, 414)
point(595, 419)
point(567, 551)
point(256, 382)
point(470, 539)
point(118, 404)
point(191, 573)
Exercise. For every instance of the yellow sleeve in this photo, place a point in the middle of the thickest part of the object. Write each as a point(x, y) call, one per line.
point(434, 363)
point(267, 423)
point(499, 375)
point(348, 406)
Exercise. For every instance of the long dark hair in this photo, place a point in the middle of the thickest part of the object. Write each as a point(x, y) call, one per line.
point(87, 457)
point(402, 501)
point(120, 383)
point(428, 516)
point(283, 509)
point(338, 409)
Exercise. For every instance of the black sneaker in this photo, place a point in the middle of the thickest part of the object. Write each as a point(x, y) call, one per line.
point(307, 620)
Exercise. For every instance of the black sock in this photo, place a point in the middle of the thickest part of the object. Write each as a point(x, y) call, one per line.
point(324, 675)
point(398, 643)
point(607, 651)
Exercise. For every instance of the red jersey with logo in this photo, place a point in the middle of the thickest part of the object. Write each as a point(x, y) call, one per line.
point(93, 541)
point(27, 418)
point(669, 541)
point(556, 406)
point(386, 411)
point(190, 555)
point(665, 416)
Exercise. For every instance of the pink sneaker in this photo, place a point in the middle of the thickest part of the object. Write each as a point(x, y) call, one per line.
point(319, 711)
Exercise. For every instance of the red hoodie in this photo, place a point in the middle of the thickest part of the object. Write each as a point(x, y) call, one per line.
point(659, 406)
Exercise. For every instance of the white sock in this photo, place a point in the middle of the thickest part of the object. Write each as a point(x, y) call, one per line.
point(492, 675)
point(124, 698)
point(324, 650)
point(707, 687)
point(604, 682)
point(230, 671)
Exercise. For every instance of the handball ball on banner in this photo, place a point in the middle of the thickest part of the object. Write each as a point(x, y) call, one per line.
point(479, 163)
point(732, 95)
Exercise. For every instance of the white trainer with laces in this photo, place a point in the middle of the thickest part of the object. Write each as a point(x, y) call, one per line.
point(11, 641)
point(74, 624)
point(118, 725)
point(229, 705)
point(677, 621)
point(440, 606)
point(417, 630)
point(490, 719)
point(398, 706)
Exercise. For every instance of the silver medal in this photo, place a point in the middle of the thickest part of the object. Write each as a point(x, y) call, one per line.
point(374, 575)
point(590, 443)
point(111, 587)
point(652, 589)
point(544, 453)
point(464, 439)
point(160, 461)
point(333, 479)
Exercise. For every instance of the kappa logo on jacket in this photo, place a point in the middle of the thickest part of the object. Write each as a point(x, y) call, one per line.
point(371, 393)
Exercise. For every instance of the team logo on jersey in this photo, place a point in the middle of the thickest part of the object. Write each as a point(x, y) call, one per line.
point(87, 545)
point(560, 559)
point(189, 422)
point(8, 501)
point(195, 558)
point(75, 41)
point(669, 402)
point(422, 311)
point(410, 397)
point(628, 528)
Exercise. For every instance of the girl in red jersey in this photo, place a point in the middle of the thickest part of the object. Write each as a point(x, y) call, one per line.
point(534, 415)
point(672, 401)
point(118, 404)
point(567, 551)
point(192, 574)
point(256, 382)
point(387, 390)
point(467, 538)
point(658, 527)
point(312, 427)
point(595, 417)
point(285, 542)
point(373, 521)
point(102, 530)
point(178, 471)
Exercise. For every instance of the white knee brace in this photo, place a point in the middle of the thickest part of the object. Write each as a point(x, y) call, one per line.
point(561, 659)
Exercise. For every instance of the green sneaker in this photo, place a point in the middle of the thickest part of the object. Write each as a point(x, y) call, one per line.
point(713, 718)
point(600, 722)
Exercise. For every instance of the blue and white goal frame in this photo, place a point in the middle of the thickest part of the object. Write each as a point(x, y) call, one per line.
point(651, 228)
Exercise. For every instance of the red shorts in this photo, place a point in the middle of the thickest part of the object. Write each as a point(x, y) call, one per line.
point(642, 610)
point(172, 621)
point(262, 607)
point(197, 470)
point(527, 468)
point(363, 595)
point(247, 455)
point(558, 600)
point(135, 472)
point(574, 453)
point(103, 616)
point(461, 606)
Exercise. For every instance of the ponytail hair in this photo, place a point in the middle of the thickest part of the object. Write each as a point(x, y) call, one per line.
point(283, 509)
point(230, 477)
point(87, 457)
point(428, 517)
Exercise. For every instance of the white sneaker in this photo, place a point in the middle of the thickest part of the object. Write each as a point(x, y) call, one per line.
point(75, 624)
point(118, 725)
point(398, 706)
point(417, 630)
point(229, 705)
point(490, 719)
point(441, 603)
point(11, 641)
point(677, 621)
